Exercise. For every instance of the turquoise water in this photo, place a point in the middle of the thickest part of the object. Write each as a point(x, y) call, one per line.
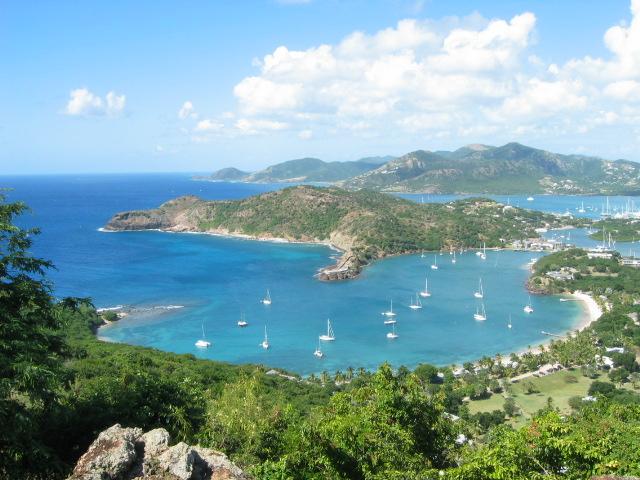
point(216, 279)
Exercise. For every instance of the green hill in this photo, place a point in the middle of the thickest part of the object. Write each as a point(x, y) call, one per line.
point(312, 170)
point(364, 224)
point(510, 169)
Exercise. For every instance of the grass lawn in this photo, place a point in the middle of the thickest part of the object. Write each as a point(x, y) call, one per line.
point(553, 385)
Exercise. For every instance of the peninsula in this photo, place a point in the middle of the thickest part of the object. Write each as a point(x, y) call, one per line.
point(365, 225)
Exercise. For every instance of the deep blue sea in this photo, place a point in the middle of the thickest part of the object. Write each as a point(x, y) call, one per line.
point(216, 280)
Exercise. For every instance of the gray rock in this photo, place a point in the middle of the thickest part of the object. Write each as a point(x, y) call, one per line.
point(155, 441)
point(127, 454)
point(110, 456)
point(215, 465)
point(178, 461)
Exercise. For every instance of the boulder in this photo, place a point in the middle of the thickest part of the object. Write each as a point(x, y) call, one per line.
point(110, 456)
point(128, 453)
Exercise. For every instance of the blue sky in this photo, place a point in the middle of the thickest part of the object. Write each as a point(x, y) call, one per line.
point(123, 86)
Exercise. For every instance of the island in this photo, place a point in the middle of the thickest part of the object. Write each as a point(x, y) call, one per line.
point(364, 225)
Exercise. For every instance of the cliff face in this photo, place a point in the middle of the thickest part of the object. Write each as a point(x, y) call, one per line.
point(128, 453)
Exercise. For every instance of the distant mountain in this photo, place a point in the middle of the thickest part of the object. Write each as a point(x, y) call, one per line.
point(313, 170)
point(229, 175)
point(510, 169)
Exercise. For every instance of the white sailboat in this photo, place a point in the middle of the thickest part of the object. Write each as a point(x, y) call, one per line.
point(242, 322)
point(425, 293)
point(390, 312)
point(483, 255)
point(529, 199)
point(329, 336)
point(318, 352)
point(480, 292)
point(509, 324)
point(265, 342)
point(202, 343)
point(528, 307)
point(417, 305)
point(480, 313)
point(422, 254)
point(434, 266)
point(267, 299)
point(392, 334)
point(581, 209)
point(453, 260)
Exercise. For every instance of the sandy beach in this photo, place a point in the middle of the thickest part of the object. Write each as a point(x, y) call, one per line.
point(592, 310)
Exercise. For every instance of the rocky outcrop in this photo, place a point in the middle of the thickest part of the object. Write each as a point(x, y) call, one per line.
point(127, 453)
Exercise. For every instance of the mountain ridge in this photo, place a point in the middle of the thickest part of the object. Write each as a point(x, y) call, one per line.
point(512, 168)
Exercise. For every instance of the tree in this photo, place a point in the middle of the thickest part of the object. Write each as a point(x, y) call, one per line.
point(386, 428)
point(31, 347)
point(510, 407)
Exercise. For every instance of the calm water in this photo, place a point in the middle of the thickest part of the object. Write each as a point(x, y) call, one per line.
point(216, 279)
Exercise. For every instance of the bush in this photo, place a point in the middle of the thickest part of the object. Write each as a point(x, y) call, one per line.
point(570, 379)
point(601, 388)
point(110, 316)
point(510, 407)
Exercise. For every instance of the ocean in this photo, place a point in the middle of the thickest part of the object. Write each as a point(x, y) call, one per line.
point(182, 284)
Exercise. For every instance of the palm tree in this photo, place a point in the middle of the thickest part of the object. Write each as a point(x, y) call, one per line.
point(350, 373)
point(324, 377)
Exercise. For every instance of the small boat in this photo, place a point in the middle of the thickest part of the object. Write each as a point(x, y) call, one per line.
point(480, 314)
point(417, 305)
point(265, 342)
point(453, 260)
point(329, 336)
point(509, 324)
point(529, 199)
point(528, 307)
point(390, 312)
point(318, 352)
point(480, 292)
point(425, 293)
point(581, 209)
point(422, 254)
point(267, 299)
point(202, 343)
point(434, 266)
point(392, 334)
point(242, 322)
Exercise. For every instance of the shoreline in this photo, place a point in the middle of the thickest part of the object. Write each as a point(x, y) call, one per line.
point(591, 312)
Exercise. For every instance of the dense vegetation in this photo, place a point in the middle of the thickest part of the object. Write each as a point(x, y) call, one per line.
point(621, 230)
point(510, 169)
point(59, 386)
point(365, 224)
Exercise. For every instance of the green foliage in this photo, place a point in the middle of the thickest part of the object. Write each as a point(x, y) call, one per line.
point(247, 421)
point(31, 350)
point(387, 428)
point(602, 438)
point(621, 230)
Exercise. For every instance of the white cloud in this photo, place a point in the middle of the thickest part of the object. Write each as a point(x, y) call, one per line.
point(208, 125)
point(258, 94)
point(187, 111)
point(625, 90)
point(469, 77)
point(253, 126)
point(84, 103)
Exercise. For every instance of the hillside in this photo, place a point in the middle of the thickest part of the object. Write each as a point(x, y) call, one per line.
point(229, 174)
point(311, 170)
point(365, 225)
point(510, 169)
